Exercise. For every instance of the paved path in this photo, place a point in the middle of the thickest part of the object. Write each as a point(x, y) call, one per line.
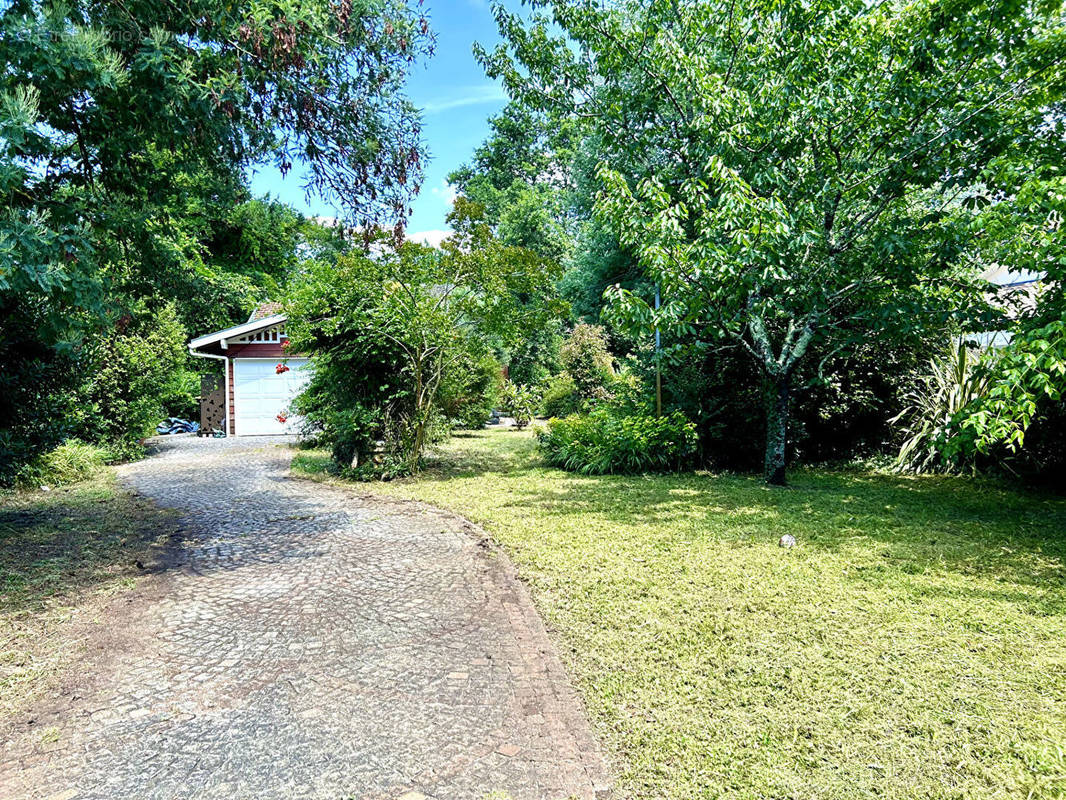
point(308, 643)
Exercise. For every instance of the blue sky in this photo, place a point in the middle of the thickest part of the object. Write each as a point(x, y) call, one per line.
point(457, 99)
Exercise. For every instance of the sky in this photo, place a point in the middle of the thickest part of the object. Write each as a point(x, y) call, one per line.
point(456, 99)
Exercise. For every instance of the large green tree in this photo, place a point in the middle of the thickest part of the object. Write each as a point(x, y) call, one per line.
point(795, 175)
point(520, 175)
point(114, 114)
point(126, 129)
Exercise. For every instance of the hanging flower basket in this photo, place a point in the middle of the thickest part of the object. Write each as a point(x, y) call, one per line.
point(280, 368)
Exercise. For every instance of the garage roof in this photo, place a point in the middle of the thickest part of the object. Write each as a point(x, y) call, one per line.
point(237, 330)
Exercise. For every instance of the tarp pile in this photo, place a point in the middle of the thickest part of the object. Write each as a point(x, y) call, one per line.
point(176, 425)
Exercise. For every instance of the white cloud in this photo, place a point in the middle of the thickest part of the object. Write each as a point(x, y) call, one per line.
point(446, 192)
point(471, 96)
point(431, 238)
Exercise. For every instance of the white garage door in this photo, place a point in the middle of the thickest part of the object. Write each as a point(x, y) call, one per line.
point(260, 394)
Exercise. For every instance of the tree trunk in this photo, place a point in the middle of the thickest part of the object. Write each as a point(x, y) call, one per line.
point(419, 442)
point(425, 391)
point(415, 454)
point(777, 430)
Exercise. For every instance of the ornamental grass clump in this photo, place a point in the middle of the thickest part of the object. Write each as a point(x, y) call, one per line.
point(930, 420)
point(605, 441)
point(70, 462)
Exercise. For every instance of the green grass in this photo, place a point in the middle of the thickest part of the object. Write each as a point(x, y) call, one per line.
point(913, 644)
point(63, 553)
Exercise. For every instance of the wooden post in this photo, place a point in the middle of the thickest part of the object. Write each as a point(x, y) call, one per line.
point(658, 364)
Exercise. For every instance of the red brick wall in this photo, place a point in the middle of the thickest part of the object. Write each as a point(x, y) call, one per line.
point(232, 415)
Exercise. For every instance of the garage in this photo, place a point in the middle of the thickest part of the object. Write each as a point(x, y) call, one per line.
point(263, 396)
point(261, 376)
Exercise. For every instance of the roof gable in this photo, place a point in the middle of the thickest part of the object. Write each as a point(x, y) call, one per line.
point(252, 326)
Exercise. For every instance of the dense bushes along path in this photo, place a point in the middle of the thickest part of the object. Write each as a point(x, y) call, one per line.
point(308, 643)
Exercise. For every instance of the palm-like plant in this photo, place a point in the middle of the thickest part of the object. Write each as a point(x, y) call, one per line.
point(929, 420)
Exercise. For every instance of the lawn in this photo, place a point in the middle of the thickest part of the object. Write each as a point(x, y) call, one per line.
point(63, 555)
point(912, 644)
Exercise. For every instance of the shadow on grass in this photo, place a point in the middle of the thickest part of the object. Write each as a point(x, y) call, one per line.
point(71, 539)
point(896, 524)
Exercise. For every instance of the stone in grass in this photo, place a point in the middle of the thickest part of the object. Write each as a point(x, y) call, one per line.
point(788, 540)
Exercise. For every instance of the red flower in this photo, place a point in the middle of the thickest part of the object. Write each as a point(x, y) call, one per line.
point(281, 418)
point(280, 368)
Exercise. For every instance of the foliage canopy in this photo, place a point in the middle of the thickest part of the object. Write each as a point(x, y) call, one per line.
point(798, 177)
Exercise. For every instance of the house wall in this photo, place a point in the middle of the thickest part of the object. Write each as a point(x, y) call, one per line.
point(257, 350)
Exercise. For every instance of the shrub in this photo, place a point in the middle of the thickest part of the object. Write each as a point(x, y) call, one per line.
point(436, 313)
point(519, 402)
point(111, 389)
point(560, 398)
point(38, 404)
point(470, 389)
point(585, 356)
point(840, 413)
point(136, 377)
point(1043, 458)
point(627, 394)
point(605, 441)
point(350, 432)
point(930, 419)
point(180, 396)
point(1023, 378)
point(999, 410)
point(356, 388)
point(71, 462)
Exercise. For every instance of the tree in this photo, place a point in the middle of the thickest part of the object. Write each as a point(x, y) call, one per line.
point(523, 154)
point(794, 176)
point(430, 310)
point(998, 395)
point(519, 176)
point(111, 112)
point(125, 131)
point(1027, 378)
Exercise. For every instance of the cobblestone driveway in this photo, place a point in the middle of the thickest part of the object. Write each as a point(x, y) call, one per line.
point(308, 643)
